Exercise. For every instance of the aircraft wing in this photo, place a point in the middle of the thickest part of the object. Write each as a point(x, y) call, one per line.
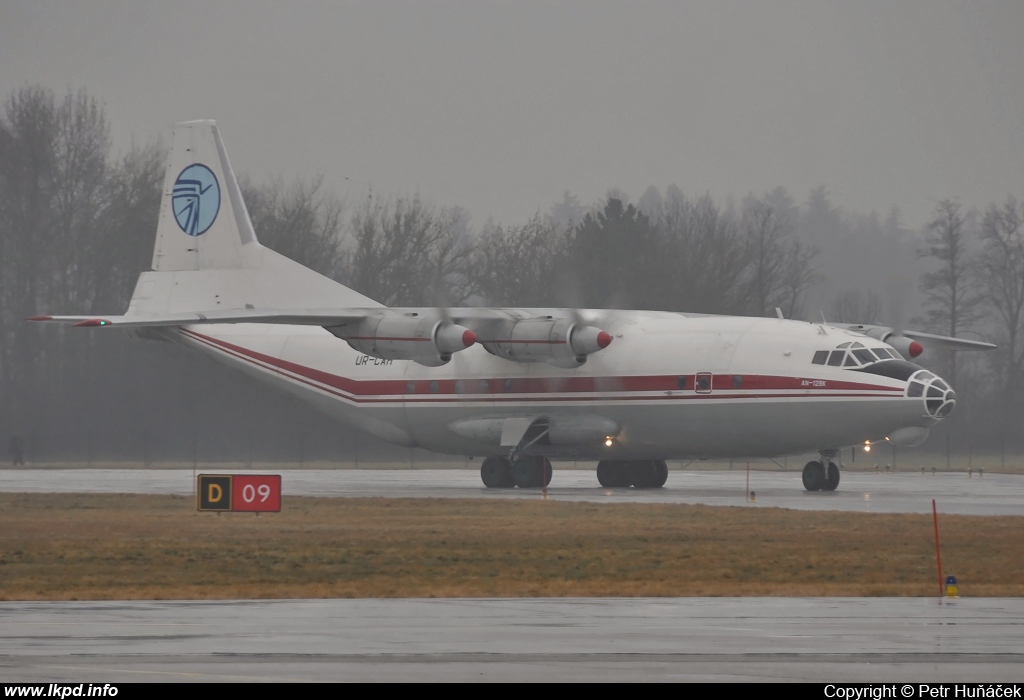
point(429, 336)
point(948, 342)
point(945, 342)
point(474, 317)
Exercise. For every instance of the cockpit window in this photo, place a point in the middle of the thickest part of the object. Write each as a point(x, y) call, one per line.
point(864, 356)
point(853, 355)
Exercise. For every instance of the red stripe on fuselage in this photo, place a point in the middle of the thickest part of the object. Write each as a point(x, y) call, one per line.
point(566, 388)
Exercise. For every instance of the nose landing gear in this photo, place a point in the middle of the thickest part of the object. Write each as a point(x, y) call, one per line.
point(819, 476)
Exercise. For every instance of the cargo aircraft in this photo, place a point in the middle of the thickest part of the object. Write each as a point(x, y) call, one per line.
point(519, 387)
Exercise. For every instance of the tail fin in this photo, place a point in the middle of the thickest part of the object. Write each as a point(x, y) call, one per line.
point(203, 224)
point(207, 257)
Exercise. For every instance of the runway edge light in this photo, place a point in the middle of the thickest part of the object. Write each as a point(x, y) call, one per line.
point(952, 591)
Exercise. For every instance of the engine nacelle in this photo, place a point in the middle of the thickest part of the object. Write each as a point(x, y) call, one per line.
point(906, 347)
point(559, 342)
point(424, 340)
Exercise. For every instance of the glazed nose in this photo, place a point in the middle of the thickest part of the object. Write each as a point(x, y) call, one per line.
point(939, 398)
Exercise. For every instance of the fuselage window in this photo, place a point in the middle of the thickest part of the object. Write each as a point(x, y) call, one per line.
point(410, 387)
point(509, 385)
point(484, 386)
point(703, 382)
point(681, 382)
point(836, 358)
point(820, 357)
point(737, 380)
point(434, 387)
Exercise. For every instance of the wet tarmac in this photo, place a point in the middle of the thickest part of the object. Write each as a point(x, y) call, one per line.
point(592, 639)
point(995, 494)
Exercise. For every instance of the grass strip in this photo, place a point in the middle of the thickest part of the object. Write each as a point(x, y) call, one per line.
point(113, 546)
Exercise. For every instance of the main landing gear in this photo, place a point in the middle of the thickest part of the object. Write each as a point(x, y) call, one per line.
point(823, 475)
point(642, 474)
point(527, 471)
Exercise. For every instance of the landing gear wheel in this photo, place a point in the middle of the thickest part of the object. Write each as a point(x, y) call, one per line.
point(522, 472)
point(831, 480)
point(546, 471)
point(531, 472)
point(661, 471)
point(642, 474)
point(496, 473)
point(612, 474)
point(814, 476)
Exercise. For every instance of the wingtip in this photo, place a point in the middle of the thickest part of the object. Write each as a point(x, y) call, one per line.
point(39, 318)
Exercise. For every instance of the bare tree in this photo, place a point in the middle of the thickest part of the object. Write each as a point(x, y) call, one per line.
point(766, 234)
point(800, 275)
point(406, 254)
point(78, 199)
point(857, 306)
point(127, 226)
point(703, 256)
point(951, 300)
point(26, 181)
point(1000, 272)
point(302, 222)
point(517, 266)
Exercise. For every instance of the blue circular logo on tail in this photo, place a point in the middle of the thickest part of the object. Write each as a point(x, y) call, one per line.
point(196, 199)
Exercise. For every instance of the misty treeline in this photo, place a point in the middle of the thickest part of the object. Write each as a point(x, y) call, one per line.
point(77, 224)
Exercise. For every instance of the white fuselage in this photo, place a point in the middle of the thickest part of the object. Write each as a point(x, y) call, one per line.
point(678, 386)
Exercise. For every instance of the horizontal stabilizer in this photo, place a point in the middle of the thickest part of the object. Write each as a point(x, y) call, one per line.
point(311, 317)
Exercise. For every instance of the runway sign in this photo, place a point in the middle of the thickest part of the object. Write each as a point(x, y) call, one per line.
point(239, 493)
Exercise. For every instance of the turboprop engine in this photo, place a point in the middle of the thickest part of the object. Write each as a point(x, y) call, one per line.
point(560, 342)
point(426, 340)
point(900, 343)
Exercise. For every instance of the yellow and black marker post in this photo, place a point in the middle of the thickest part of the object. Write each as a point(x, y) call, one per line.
point(214, 492)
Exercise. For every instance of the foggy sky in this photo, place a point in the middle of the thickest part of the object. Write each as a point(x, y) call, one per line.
point(499, 107)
